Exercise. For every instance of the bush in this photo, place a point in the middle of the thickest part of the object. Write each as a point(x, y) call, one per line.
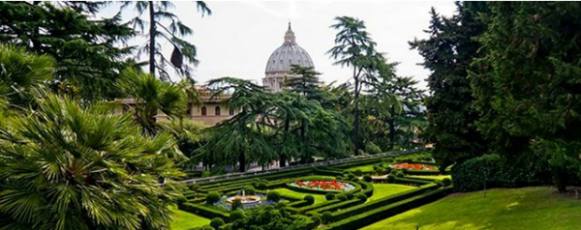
point(358, 172)
point(316, 218)
point(249, 190)
point(273, 196)
point(236, 203)
point(330, 196)
point(387, 170)
point(237, 215)
point(213, 197)
point(194, 187)
point(398, 173)
point(206, 174)
point(367, 178)
point(372, 148)
point(206, 227)
point(446, 181)
point(217, 222)
point(326, 217)
point(361, 196)
point(261, 184)
point(390, 178)
point(310, 199)
point(342, 196)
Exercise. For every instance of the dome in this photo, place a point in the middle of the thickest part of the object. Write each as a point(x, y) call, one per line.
point(290, 53)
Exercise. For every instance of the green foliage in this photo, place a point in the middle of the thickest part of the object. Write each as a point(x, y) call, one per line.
point(213, 197)
point(237, 215)
point(330, 196)
point(217, 222)
point(372, 148)
point(70, 167)
point(310, 199)
point(446, 181)
point(361, 196)
point(85, 48)
point(326, 217)
point(269, 217)
point(248, 189)
point(236, 204)
point(367, 178)
point(316, 218)
point(273, 196)
point(342, 196)
point(306, 84)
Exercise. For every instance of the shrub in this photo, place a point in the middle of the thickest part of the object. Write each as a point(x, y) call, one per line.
point(237, 215)
point(236, 203)
point(388, 170)
point(390, 178)
point(249, 190)
point(446, 181)
point(273, 196)
point(349, 196)
point(342, 196)
point(361, 196)
point(372, 148)
point(326, 217)
point(206, 174)
point(398, 173)
point(358, 172)
point(213, 197)
point(261, 184)
point(316, 218)
point(217, 222)
point(310, 199)
point(330, 196)
point(194, 187)
point(367, 178)
point(206, 227)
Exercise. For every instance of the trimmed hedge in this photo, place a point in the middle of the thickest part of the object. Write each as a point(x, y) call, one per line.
point(337, 206)
point(365, 218)
point(204, 211)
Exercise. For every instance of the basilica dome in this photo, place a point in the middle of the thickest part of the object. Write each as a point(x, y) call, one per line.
point(290, 53)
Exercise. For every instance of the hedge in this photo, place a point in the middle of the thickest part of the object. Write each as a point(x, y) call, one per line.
point(204, 210)
point(337, 206)
point(307, 190)
point(363, 219)
point(414, 181)
point(382, 202)
point(423, 172)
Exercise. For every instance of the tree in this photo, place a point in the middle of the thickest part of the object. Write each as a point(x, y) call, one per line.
point(172, 33)
point(448, 53)
point(20, 72)
point(68, 167)
point(353, 47)
point(85, 48)
point(269, 217)
point(306, 83)
point(526, 84)
point(151, 95)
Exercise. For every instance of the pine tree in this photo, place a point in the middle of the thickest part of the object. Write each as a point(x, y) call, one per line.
point(306, 83)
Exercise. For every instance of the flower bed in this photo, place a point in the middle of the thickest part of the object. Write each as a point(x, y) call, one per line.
point(414, 166)
point(322, 185)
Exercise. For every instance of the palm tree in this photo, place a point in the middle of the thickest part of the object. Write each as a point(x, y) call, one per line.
point(353, 47)
point(152, 95)
point(172, 33)
point(68, 167)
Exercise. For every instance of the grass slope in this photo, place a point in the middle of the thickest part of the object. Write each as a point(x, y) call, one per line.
point(381, 190)
point(525, 208)
point(182, 220)
point(299, 195)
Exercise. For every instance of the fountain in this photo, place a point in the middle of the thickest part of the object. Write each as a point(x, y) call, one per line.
point(244, 199)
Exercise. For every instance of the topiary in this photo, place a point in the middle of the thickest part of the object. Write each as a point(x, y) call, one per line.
point(316, 218)
point(326, 217)
point(446, 181)
point(367, 178)
point(217, 222)
point(249, 190)
point(310, 199)
point(361, 196)
point(236, 203)
point(237, 215)
point(213, 197)
point(330, 196)
point(273, 196)
point(358, 172)
point(390, 178)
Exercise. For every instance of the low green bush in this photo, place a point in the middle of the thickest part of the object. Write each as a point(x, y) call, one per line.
point(217, 222)
point(204, 211)
point(361, 196)
point(248, 189)
point(326, 217)
point(273, 196)
point(236, 204)
point(390, 178)
point(342, 196)
point(316, 218)
point(310, 199)
point(330, 196)
point(358, 172)
point(366, 178)
point(213, 197)
point(237, 215)
point(446, 181)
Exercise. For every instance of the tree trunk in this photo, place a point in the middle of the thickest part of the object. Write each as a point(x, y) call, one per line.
point(391, 129)
point(356, 119)
point(282, 157)
point(242, 162)
point(152, 32)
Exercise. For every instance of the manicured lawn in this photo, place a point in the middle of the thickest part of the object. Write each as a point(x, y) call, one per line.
point(362, 168)
point(184, 220)
point(524, 208)
point(381, 190)
point(437, 177)
point(299, 195)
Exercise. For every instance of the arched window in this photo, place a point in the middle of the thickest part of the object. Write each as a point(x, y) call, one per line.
point(217, 110)
point(204, 113)
point(231, 111)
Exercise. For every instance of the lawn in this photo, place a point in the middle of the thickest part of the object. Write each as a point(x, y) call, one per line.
point(362, 168)
point(435, 177)
point(182, 220)
point(524, 208)
point(381, 190)
point(299, 195)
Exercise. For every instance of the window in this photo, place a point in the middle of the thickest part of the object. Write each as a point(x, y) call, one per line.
point(204, 111)
point(217, 111)
point(231, 111)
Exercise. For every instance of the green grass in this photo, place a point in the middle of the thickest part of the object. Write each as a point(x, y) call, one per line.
point(437, 177)
point(362, 168)
point(524, 208)
point(381, 190)
point(182, 220)
point(299, 195)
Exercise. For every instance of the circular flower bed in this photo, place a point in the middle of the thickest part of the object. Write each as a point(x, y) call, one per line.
point(322, 185)
point(414, 166)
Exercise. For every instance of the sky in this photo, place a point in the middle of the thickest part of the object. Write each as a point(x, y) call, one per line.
point(239, 36)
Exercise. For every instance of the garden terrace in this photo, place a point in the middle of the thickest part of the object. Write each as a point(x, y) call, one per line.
point(365, 202)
